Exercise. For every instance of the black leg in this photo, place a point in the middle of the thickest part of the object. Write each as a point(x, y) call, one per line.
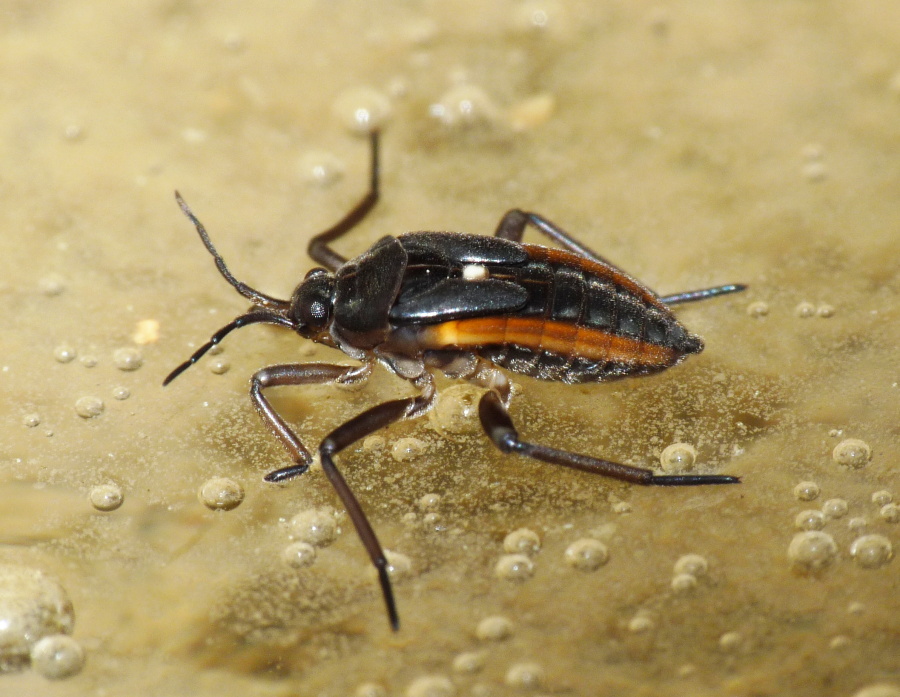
point(295, 374)
point(499, 428)
point(319, 248)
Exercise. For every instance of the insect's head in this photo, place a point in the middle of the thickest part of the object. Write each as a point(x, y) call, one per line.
point(311, 302)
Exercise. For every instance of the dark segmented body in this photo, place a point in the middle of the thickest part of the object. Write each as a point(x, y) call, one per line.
point(581, 321)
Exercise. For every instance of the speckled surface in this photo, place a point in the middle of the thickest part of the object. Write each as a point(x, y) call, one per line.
point(693, 144)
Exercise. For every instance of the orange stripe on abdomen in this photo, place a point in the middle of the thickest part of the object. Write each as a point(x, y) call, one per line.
point(562, 338)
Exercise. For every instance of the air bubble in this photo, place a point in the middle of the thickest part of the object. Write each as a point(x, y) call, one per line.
point(121, 393)
point(320, 168)
point(586, 554)
point(852, 452)
point(146, 331)
point(871, 551)
point(315, 526)
point(456, 410)
point(32, 606)
point(57, 657)
point(514, 567)
point(31, 420)
point(812, 551)
point(373, 443)
point(641, 624)
point(88, 361)
point(89, 407)
point(684, 583)
point(814, 171)
point(879, 690)
point(805, 310)
point(221, 494)
point(64, 353)
point(465, 106)
point(219, 366)
point(758, 309)
point(839, 642)
point(532, 112)
point(468, 662)
point(835, 508)
point(429, 502)
point(52, 285)
point(806, 491)
point(678, 457)
point(882, 497)
point(362, 109)
point(406, 449)
point(825, 311)
point(730, 641)
point(522, 541)
point(431, 686)
point(127, 359)
point(398, 565)
point(857, 524)
point(890, 513)
point(809, 520)
point(692, 564)
point(494, 628)
point(370, 689)
point(299, 554)
point(524, 675)
point(107, 497)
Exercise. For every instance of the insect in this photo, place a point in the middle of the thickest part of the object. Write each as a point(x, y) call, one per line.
point(469, 306)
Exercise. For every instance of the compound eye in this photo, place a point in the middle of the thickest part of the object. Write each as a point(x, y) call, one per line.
point(315, 314)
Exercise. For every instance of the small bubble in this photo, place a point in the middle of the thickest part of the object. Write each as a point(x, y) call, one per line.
point(468, 662)
point(88, 361)
point(399, 565)
point(839, 642)
point(812, 551)
point(809, 520)
point(429, 502)
point(221, 494)
point(320, 168)
point(89, 407)
point(641, 624)
point(857, 524)
point(31, 420)
point(684, 583)
point(879, 690)
point(835, 508)
point(532, 112)
point(456, 410)
point(52, 285)
point(370, 689)
point(871, 551)
point(315, 526)
point(514, 567)
point(621, 507)
point(406, 449)
point(372, 443)
point(692, 564)
point(433, 521)
point(805, 310)
point(106, 497)
point(121, 393)
point(852, 452)
point(128, 359)
point(825, 311)
point(856, 608)
point(882, 497)
point(890, 513)
point(57, 657)
point(678, 457)
point(524, 675)
point(219, 366)
point(730, 641)
point(299, 554)
point(758, 309)
point(465, 106)
point(494, 628)
point(586, 554)
point(32, 606)
point(431, 686)
point(64, 353)
point(814, 171)
point(522, 541)
point(806, 491)
point(362, 109)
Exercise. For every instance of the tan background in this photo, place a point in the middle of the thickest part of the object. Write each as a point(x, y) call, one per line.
point(692, 143)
